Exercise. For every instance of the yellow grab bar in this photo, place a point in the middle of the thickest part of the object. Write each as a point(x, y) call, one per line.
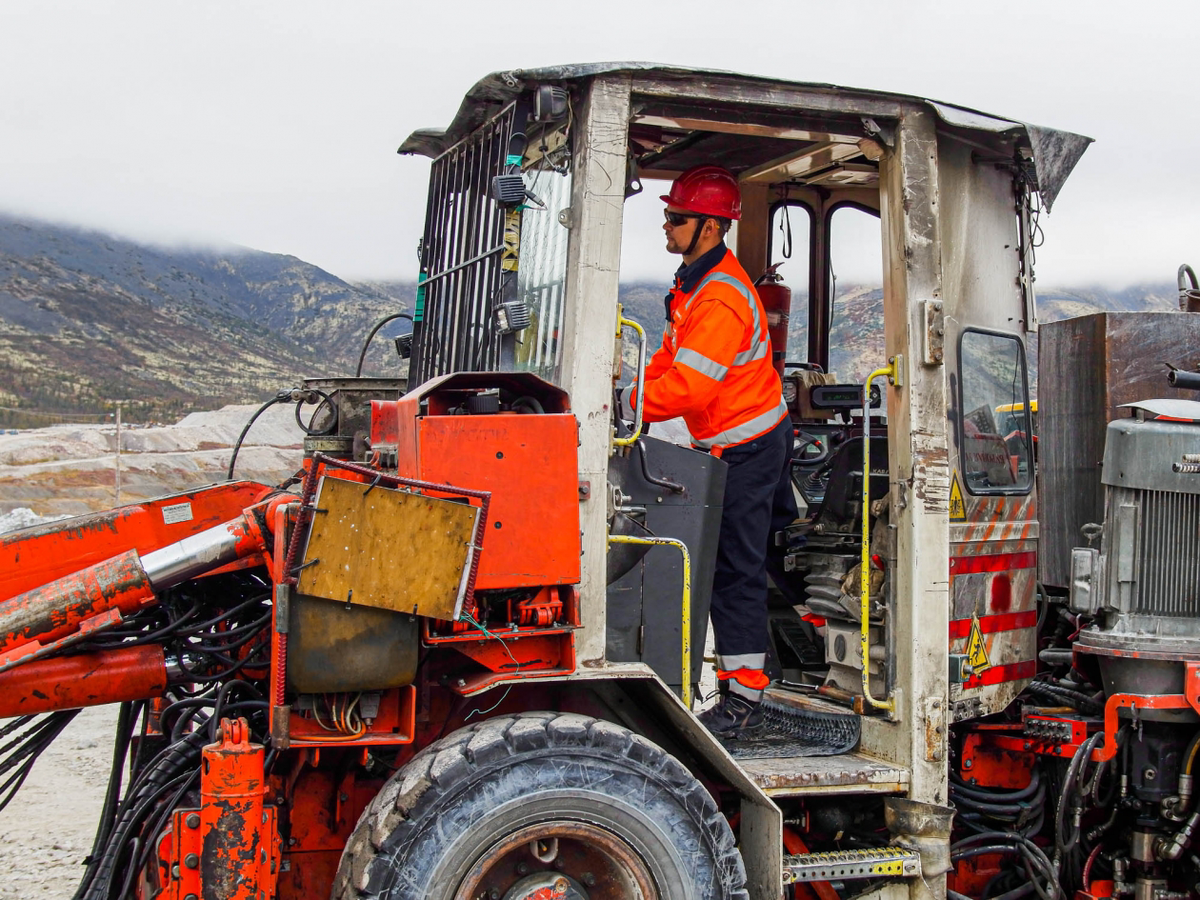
point(865, 580)
point(641, 377)
point(687, 600)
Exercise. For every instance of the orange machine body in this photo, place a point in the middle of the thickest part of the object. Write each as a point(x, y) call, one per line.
point(33, 557)
point(229, 848)
point(89, 679)
point(528, 461)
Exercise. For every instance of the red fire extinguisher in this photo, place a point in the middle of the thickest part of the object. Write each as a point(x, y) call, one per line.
point(776, 299)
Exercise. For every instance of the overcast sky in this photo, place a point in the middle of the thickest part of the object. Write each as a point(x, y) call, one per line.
point(274, 124)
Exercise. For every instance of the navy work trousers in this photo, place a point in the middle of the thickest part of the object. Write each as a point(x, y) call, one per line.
point(758, 501)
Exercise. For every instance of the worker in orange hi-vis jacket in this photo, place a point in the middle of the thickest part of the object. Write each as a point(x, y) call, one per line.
point(714, 369)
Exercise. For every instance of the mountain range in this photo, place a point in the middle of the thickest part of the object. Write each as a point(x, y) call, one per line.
point(87, 319)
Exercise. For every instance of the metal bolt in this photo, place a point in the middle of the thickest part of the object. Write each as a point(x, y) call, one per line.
point(192, 821)
point(291, 842)
point(968, 763)
point(522, 869)
point(175, 871)
point(462, 682)
point(191, 897)
point(560, 885)
point(1149, 773)
point(343, 797)
point(589, 879)
point(192, 861)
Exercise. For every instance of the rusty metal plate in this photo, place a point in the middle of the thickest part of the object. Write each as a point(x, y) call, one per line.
point(334, 648)
point(389, 549)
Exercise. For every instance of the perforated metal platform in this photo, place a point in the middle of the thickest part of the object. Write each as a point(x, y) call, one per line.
point(793, 730)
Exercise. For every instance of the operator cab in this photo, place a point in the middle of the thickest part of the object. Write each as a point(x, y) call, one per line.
point(888, 235)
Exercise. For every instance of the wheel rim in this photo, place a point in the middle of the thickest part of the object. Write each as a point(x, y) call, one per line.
point(598, 865)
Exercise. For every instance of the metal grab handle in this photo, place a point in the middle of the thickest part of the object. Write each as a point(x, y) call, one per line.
point(686, 613)
point(641, 378)
point(865, 579)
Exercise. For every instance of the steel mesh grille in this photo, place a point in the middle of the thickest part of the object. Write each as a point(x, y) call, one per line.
point(1168, 554)
point(460, 257)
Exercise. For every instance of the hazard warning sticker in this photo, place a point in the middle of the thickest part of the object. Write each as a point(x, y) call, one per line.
point(958, 509)
point(977, 655)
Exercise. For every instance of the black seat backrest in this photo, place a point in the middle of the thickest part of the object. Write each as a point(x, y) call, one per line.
point(842, 506)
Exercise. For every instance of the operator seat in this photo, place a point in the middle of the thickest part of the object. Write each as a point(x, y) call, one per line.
point(840, 510)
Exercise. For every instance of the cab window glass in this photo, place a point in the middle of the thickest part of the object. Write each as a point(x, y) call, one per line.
point(790, 244)
point(996, 440)
point(856, 338)
point(541, 276)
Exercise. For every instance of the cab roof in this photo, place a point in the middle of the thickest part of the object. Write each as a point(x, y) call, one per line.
point(1053, 153)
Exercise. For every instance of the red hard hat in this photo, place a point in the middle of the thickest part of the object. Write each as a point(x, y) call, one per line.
point(706, 189)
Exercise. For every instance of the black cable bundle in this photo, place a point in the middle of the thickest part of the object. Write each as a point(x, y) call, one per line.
point(127, 835)
point(17, 757)
point(1037, 873)
point(213, 631)
point(981, 809)
point(204, 626)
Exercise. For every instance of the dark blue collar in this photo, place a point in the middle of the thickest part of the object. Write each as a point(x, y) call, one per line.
point(689, 275)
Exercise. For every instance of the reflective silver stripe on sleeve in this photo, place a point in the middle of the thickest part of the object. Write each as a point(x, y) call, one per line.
point(756, 351)
point(701, 364)
point(747, 430)
point(758, 347)
point(737, 661)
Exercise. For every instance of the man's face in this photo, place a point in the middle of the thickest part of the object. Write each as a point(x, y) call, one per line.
point(679, 237)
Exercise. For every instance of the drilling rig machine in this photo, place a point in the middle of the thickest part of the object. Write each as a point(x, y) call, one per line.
point(456, 655)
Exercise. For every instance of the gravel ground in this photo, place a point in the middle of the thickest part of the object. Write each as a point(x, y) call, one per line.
point(47, 830)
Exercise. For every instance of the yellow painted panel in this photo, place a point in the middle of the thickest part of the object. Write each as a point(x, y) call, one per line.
point(388, 549)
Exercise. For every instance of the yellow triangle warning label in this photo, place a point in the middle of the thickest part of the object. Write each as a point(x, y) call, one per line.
point(977, 654)
point(958, 509)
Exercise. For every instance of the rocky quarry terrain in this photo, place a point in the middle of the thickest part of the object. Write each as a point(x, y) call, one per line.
point(71, 469)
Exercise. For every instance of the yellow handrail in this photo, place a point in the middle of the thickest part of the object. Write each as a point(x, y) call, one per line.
point(865, 580)
point(641, 377)
point(687, 600)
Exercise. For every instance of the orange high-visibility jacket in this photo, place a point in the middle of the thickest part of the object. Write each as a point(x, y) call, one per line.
point(714, 367)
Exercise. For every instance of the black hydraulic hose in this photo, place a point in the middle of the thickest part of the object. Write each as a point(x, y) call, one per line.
point(1065, 842)
point(124, 732)
point(1030, 850)
point(325, 400)
point(1078, 699)
point(374, 331)
point(278, 398)
point(156, 825)
point(1035, 782)
point(154, 781)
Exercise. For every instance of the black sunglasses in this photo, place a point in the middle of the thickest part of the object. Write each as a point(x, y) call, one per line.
point(677, 219)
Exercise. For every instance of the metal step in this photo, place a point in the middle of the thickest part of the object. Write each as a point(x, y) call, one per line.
point(846, 865)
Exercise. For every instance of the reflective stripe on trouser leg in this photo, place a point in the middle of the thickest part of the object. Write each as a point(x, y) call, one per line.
point(739, 597)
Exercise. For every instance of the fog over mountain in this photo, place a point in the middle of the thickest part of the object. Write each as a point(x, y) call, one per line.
point(87, 319)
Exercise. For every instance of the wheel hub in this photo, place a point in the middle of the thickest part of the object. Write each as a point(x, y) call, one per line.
point(547, 886)
point(559, 860)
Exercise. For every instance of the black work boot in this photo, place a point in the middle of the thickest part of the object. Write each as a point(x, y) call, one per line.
point(733, 717)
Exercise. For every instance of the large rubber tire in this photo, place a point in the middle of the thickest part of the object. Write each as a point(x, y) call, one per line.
point(445, 815)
